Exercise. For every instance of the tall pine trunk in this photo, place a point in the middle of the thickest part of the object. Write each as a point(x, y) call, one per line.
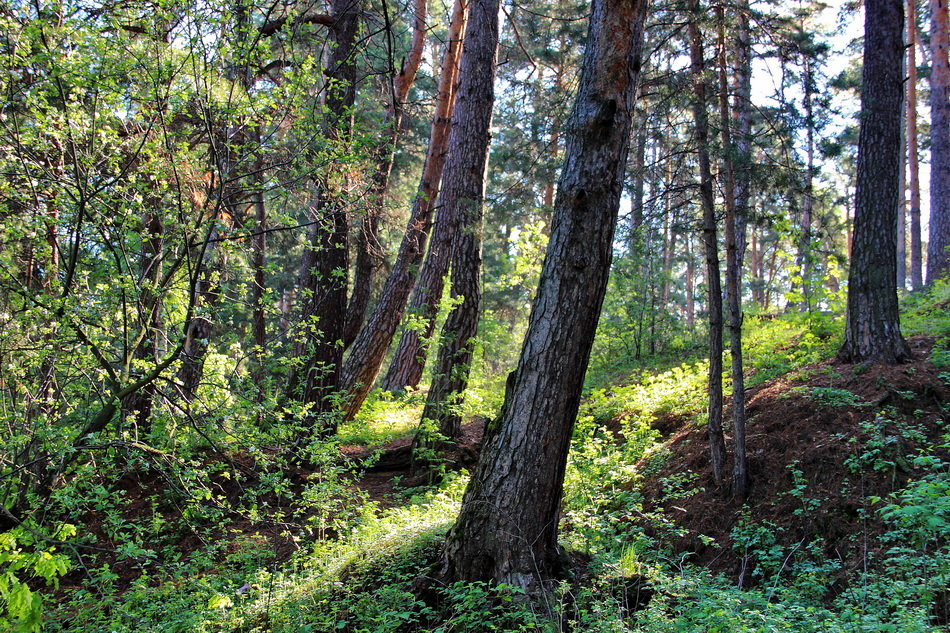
point(507, 528)
point(717, 442)
point(369, 348)
point(734, 225)
point(369, 250)
point(913, 152)
point(463, 197)
point(872, 329)
point(315, 381)
point(938, 259)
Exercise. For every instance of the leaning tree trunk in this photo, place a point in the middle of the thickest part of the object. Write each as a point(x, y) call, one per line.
point(717, 442)
point(369, 349)
point(463, 196)
point(369, 251)
point(938, 259)
point(872, 330)
point(507, 528)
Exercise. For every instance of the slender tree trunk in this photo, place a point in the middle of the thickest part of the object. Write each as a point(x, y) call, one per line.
point(717, 444)
point(804, 256)
point(938, 259)
point(369, 251)
point(507, 528)
point(369, 348)
point(733, 222)
point(690, 285)
point(872, 330)
point(913, 151)
point(463, 196)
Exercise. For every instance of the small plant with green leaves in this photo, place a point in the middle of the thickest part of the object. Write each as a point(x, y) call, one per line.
point(25, 555)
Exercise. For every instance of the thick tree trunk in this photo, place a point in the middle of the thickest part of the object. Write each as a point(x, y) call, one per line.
point(717, 444)
point(913, 152)
point(369, 348)
point(507, 528)
point(803, 259)
point(938, 259)
point(872, 331)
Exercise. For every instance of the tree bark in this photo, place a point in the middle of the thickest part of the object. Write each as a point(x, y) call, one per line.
point(463, 197)
point(938, 259)
point(507, 528)
point(369, 250)
point(717, 443)
point(734, 222)
point(316, 381)
point(913, 152)
point(369, 348)
point(872, 329)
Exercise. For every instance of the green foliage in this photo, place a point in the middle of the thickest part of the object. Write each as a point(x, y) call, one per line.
point(24, 557)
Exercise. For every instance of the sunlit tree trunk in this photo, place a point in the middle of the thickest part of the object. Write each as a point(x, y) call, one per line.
point(369, 348)
point(368, 247)
point(462, 195)
point(507, 528)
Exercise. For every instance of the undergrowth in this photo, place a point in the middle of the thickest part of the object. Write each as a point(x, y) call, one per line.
point(355, 565)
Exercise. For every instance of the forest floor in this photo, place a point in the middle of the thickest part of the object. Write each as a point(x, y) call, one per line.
point(829, 444)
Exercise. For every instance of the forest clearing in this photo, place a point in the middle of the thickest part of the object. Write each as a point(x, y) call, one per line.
point(478, 315)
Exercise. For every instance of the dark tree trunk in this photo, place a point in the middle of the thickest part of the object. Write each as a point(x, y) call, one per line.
point(717, 444)
point(369, 348)
point(463, 196)
point(872, 331)
point(507, 528)
point(369, 251)
point(324, 264)
point(938, 259)
point(734, 224)
point(913, 152)
point(139, 403)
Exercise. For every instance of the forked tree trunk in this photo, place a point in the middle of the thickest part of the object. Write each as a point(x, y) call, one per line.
point(507, 528)
point(872, 330)
point(369, 348)
point(463, 196)
point(717, 443)
point(938, 259)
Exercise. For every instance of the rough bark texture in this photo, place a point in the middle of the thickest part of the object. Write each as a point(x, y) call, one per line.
point(913, 152)
point(507, 527)
point(717, 444)
point(938, 259)
point(324, 262)
point(872, 330)
point(734, 222)
point(369, 348)
point(463, 195)
point(369, 252)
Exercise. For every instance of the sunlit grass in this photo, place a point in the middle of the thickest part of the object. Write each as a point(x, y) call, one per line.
point(384, 417)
